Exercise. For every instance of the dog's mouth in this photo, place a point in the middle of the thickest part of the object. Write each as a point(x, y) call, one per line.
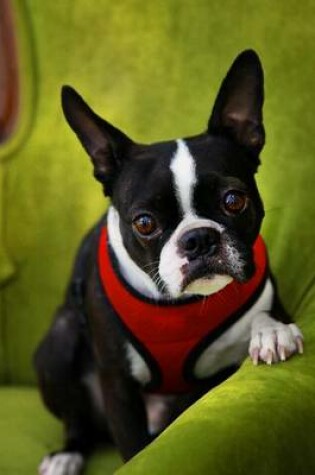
point(199, 280)
point(207, 285)
point(202, 277)
point(204, 263)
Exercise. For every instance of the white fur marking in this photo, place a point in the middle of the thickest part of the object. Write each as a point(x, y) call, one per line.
point(183, 168)
point(273, 341)
point(139, 369)
point(62, 464)
point(158, 408)
point(232, 347)
point(233, 256)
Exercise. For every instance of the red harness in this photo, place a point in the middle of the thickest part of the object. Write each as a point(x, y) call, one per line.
point(168, 335)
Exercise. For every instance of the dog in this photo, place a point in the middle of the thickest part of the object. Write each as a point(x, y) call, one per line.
point(172, 288)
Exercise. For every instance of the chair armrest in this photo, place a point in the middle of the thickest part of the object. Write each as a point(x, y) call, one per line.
point(260, 421)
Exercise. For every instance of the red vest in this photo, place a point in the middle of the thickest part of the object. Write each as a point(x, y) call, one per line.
point(169, 335)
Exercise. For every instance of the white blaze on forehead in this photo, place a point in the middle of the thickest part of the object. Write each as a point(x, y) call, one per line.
point(183, 168)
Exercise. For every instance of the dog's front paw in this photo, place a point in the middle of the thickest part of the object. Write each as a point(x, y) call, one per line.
point(63, 463)
point(273, 341)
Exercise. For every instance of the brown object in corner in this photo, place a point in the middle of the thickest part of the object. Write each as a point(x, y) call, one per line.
point(9, 81)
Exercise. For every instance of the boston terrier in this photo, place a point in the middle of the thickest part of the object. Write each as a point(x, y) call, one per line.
point(172, 287)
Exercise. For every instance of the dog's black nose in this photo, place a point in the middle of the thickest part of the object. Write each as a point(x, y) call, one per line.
point(199, 242)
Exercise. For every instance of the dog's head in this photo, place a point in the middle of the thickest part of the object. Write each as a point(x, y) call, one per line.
point(184, 213)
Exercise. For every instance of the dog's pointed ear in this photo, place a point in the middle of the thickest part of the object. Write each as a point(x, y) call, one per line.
point(106, 145)
point(238, 107)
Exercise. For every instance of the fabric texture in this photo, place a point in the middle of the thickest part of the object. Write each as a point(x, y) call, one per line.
point(259, 421)
point(28, 432)
point(153, 69)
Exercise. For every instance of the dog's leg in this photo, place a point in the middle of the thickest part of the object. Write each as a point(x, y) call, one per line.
point(81, 438)
point(125, 413)
point(273, 341)
point(274, 337)
point(59, 362)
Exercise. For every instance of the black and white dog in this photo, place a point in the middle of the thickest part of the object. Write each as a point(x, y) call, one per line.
point(171, 289)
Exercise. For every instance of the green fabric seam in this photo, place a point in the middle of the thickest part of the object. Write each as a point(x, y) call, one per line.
point(27, 80)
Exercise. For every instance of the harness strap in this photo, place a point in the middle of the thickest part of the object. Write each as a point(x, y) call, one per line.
point(167, 333)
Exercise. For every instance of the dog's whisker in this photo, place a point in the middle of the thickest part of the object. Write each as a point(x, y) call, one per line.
point(151, 264)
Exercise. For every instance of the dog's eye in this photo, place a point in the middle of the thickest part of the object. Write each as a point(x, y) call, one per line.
point(234, 202)
point(145, 224)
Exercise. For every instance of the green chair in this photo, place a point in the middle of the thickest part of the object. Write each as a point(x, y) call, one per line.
point(153, 69)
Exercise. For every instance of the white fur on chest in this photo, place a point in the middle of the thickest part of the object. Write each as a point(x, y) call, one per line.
point(232, 347)
point(138, 367)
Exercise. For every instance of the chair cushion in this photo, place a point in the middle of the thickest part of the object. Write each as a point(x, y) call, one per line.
point(28, 432)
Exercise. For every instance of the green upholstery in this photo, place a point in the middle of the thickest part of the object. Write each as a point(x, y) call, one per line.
point(153, 69)
point(27, 432)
